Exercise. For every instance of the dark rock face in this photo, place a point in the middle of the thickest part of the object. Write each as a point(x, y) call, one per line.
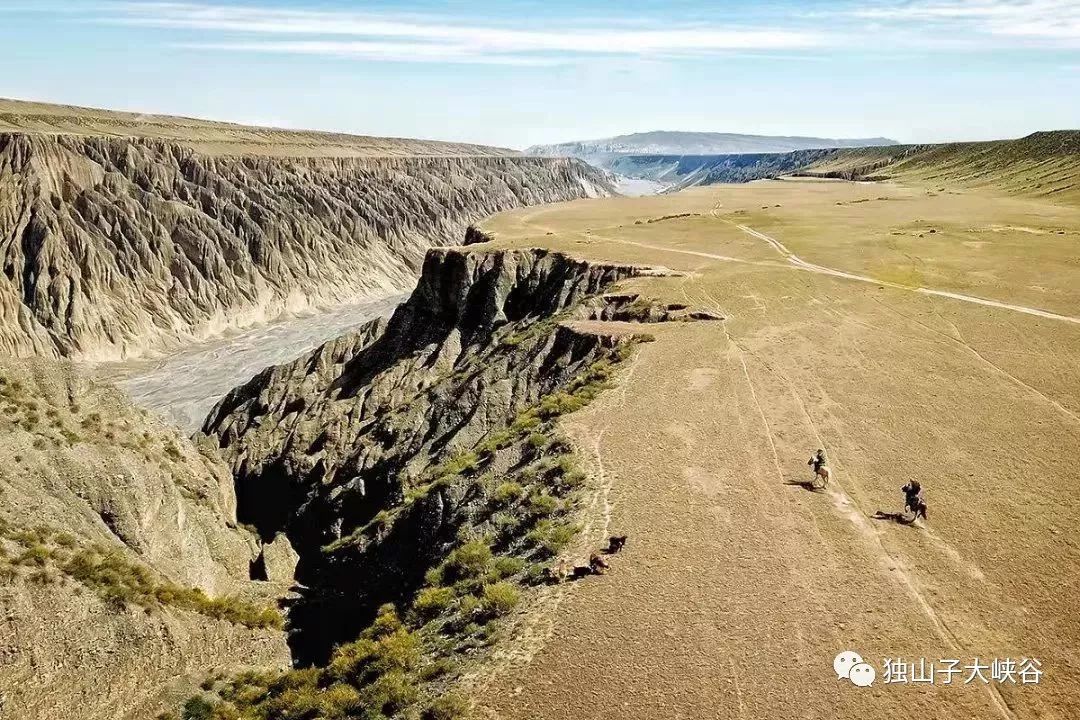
point(321, 446)
point(113, 246)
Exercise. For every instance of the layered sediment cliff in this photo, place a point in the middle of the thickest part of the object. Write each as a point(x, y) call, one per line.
point(115, 247)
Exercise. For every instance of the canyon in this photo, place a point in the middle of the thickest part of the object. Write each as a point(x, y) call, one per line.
point(376, 399)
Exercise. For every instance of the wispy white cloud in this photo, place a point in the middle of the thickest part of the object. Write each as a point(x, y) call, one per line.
point(385, 51)
point(426, 38)
point(1050, 20)
point(861, 25)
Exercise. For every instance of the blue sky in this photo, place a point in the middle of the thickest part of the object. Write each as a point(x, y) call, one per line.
point(520, 72)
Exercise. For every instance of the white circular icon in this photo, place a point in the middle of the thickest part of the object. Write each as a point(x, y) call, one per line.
point(862, 674)
point(843, 663)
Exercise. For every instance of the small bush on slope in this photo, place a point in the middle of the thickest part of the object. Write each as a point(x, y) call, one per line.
point(122, 582)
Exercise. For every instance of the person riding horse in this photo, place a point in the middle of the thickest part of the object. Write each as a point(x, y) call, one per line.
point(821, 470)
point(913, 498)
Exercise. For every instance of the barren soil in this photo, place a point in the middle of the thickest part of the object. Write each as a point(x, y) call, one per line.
point(739, 584)
point(218, 138)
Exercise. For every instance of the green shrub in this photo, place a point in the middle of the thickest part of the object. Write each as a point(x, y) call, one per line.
point(505, 523)
point(434, 576)
point(450, 706)
point(557, 404)
point(121, 581)
point(542, 505)
point(35, 555)
point(437, 668)
point(400, 650)
point(526, 421)
point(431, 601)
point(506, 566)
point(551, 537)
point(565, 464)
point(389, 693)
point(499, 598)
point(496, 442)
point(538, 441)
point(198, 708)
point(507, 493)
point(461, 463)
point(573, 480)
point(468, 606)
point(350, 661)
point(469, 560)
point(340, 700)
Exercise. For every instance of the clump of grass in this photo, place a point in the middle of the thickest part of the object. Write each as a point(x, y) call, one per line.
point(120, 581)
point(507, 492)
point(506, 566)
point(432, 601)
point(538, 441)
point(198, 708)
point(469, 560)
point(375, 676)
point(497, 599)
point(551, 536)
point(496, 442)
point(505, 522)
point(460, 464)
point(542, 505)
point(450, 706)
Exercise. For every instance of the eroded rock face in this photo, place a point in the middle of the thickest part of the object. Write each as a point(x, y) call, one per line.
point(82, 470)
point(111, 247)
point(322, 445)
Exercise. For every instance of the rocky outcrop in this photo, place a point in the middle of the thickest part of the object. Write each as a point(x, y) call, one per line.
point(323, 447)
point(113, 247)
point(118, 543)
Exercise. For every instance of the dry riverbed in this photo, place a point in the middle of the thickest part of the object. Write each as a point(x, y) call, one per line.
point(185, 386)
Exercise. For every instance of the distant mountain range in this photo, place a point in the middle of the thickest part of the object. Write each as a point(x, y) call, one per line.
point(649, 162)
point(695, 143)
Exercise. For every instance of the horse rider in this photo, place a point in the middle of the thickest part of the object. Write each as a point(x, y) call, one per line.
point(912, 495)
point(818, 461)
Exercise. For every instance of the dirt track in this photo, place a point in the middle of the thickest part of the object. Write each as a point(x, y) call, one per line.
point(739, 585)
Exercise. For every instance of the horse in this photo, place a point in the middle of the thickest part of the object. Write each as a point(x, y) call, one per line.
point(918, 506)
point(821, 471)
point(913, 499)
point(615, 544)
